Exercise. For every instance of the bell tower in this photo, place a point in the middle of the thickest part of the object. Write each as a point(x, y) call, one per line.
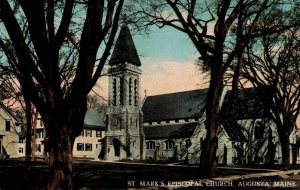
point(125, 136)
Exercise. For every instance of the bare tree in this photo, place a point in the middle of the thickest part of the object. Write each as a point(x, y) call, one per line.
point(220, 31)
point(274, 63)
point(55, 27)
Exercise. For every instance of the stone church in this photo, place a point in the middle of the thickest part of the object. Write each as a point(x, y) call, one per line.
point(172, 126)
point(125, 136)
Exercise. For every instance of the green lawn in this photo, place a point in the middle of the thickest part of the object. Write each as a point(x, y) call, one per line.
point(14, 174)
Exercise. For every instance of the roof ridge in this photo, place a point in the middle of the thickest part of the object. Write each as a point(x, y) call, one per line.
point(200, 89)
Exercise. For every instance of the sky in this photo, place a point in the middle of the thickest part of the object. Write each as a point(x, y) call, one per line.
point(168, 63)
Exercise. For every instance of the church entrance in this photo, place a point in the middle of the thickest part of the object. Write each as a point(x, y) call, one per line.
point(116, 144)
point(102, 149)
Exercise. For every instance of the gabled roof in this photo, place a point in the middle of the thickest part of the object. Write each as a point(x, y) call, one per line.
point(9, 111)
point(124, 50)
point(172, 131)
point(173, 106)
point(234, 130)
point(93, 120)
point(249, 103)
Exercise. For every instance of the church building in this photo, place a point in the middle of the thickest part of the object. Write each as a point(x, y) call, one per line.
point(172, 126)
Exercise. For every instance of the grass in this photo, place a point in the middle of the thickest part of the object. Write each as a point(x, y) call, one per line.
point(14, 174)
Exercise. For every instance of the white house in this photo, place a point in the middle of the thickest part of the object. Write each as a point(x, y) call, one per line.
point(87, 145)
point(38, 145)
point(10, 129)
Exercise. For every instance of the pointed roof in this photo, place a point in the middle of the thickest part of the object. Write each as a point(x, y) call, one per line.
point(10, 112)
point(125, 50)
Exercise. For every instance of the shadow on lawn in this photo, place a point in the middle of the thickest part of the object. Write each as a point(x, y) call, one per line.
point(14, 174)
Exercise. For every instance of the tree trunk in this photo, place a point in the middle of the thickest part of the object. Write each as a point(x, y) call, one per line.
point(285, 149)
point(33, 140)
point(28, 149)
point(208, 156)
point(60, 155)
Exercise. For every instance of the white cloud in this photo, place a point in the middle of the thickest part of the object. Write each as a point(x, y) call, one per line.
point(160, 77)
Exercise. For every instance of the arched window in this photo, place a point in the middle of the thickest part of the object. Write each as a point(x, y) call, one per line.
point(130, 91)
point(258, 130)
point(169, 145)
point(135, 93)
point(114, 98)
point(121, 90)
point(150, 145)
point(188, 143)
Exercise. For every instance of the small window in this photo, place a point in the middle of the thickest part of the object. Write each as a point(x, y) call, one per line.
point(169, 145)
point(98, 133)
point(38, 148)
point(188, 143)
point(136, 123)
point(120, 121)
point(21, 150)
point(7, 125)
point(41, 123)
point(82, 133)
point(39, 134)
point(88, 133)
point(258, 130)
point(150, 145)
point(80, 147)
point(21, 140)
point(88, 147)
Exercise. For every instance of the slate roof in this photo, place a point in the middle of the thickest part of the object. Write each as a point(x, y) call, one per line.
point(181, 105)
point(93, 120)
point(250, 103)
point(124, 50)
point(234, 131)
point(170, 131)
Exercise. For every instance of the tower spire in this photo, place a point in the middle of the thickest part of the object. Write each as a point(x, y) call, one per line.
point(124, 50)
